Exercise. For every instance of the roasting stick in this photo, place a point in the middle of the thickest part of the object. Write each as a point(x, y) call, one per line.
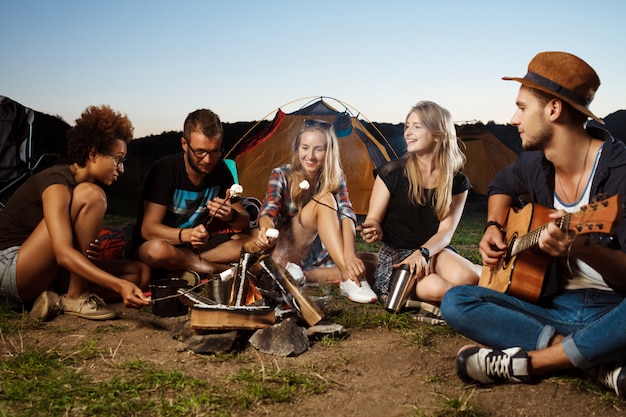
point(235, 191)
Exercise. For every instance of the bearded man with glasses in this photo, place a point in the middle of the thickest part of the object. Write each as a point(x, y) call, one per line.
point(187, 220)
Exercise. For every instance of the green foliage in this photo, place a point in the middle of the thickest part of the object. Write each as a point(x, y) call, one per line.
point(369, 316)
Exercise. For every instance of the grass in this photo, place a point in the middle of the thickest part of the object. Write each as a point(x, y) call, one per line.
point(50, 383)
point(451, 406)
point(38, 383)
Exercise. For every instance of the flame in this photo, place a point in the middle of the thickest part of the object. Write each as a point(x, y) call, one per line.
point(253, 294)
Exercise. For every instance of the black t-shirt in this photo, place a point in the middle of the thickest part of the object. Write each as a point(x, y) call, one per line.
point(167, 184)
point(24, 210)
point(407, 225)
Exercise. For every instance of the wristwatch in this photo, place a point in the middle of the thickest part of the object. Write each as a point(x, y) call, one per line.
point(426, 254)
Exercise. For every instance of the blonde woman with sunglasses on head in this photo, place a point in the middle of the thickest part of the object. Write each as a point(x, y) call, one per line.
point(415, 207)
point(307, 201)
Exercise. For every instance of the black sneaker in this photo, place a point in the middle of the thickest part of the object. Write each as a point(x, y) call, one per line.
point(491, 366)
point(613, 377)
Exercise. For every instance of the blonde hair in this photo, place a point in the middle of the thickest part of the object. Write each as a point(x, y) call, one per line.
point(448, 157)
point(329, 178)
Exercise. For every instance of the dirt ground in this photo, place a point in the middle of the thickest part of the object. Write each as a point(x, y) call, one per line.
point(372, 372)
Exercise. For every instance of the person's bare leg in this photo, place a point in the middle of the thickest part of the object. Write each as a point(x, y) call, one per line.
point(294, 241)
point(225, 253)
point(333, 275)
point(87, 210)
point(326, 222)
point(159, 254)
point(431, 288)
point(323, 275)
point(370, 260)
point(448, 269)
point(548, 360)
point(134, 271)
point(37, 266)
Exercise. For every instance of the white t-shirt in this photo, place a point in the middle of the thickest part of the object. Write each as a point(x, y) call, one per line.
point(582, 275)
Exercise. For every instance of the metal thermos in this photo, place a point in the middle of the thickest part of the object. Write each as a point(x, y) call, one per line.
point(401, 283)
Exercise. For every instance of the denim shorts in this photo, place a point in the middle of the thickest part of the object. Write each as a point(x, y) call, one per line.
point(8, 279)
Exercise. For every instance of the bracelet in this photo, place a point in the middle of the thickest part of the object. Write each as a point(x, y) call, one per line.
point(180, 236)
point(494, 223)
point(426, 254)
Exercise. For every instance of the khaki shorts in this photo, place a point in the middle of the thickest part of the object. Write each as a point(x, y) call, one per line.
point(8, 279)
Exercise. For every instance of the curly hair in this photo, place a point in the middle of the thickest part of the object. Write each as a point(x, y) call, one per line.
point(97, 129)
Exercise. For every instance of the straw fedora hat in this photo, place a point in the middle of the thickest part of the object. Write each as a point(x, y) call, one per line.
point(566, 77)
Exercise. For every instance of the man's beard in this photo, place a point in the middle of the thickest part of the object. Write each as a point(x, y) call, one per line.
point(540, 139)
point(194, 165)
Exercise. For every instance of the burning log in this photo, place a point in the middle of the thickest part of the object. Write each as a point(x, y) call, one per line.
point(208, 315)
point(291, 292)
point(243, 292)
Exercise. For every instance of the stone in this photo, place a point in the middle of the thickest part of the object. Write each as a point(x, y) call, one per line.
point(204, 342)
point(283, 339)
point(326, 329)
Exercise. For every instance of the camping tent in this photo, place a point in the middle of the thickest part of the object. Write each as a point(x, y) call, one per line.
point(485, 154)
point(361, 151)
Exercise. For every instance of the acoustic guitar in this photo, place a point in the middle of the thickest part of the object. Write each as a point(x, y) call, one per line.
point(522, 269)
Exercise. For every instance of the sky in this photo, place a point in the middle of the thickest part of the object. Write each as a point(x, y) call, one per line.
point(156, 61)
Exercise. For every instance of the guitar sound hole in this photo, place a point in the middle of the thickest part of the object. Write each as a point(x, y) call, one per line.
point(508, 255)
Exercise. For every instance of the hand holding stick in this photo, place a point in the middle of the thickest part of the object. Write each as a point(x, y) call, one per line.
point(235, 191)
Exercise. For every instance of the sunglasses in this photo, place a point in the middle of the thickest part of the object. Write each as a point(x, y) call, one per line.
point(317, 123)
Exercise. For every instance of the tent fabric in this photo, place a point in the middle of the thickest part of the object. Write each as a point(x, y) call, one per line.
point(486, 155)
point(15, 134)
point(361, 153)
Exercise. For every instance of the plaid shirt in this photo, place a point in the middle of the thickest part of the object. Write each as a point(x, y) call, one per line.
point(279, 206)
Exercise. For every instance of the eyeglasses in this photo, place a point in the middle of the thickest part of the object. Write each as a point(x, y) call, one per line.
point(317, 123)
point(201, 154)
point(119, 160)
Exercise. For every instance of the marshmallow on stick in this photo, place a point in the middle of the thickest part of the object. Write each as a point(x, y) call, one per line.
point(236, 190)
point(304, 185)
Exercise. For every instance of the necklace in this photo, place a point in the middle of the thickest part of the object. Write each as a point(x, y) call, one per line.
point(582, 174)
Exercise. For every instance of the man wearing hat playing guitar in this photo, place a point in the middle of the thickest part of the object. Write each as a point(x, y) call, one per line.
point(576, 176)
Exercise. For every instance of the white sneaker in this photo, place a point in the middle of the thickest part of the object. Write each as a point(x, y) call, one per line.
point(362, 294)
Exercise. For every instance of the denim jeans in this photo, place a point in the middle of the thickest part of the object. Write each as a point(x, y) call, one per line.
point(593, 321)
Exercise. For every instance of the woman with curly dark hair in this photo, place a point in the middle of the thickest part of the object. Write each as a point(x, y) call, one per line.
point(50, 221)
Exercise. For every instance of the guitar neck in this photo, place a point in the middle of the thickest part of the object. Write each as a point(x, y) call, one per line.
point(527, 241)
point(610, 208)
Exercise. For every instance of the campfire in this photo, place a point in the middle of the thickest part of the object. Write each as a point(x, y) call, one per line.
point(242, 299)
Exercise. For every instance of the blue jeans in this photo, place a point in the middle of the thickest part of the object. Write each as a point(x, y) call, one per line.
point(592, 321)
